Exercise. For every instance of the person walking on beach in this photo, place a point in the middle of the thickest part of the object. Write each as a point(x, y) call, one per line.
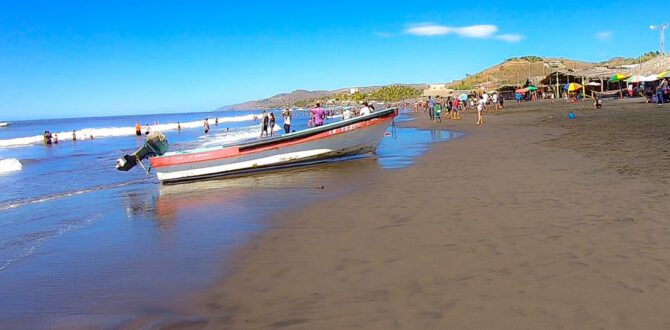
point(319, 114)
point(264, 124)
point(286, 116)
point(480, 109)
point(431, 107)
point(455, 110)
point(206, 125)
point(271, 123)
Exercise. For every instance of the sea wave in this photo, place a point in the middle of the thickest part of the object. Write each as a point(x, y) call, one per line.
point(234, 135)
point(45, 198)
point(105, 132)
point(23, 246)
point(10, 165)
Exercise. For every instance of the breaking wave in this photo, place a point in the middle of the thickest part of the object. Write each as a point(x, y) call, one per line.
point(235, 135)
point(105, 132)
point(10, 165)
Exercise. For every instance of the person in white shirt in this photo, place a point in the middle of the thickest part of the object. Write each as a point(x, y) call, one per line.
point(347, 114)
point(365, 110)
point(485, 96)
point(287, 120)
point(494, 100)
point(480, 109)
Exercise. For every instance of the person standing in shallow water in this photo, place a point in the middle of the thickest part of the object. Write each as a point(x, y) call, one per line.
point(318, 113)
point(286, 115)
point(74, 135)
point(138, 129)
point(206, 125)
point(264, 124)
point(271, 124)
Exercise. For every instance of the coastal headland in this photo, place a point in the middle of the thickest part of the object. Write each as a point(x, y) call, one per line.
point(532, 220)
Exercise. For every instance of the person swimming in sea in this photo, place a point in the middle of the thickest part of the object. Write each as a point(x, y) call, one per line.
point(47, 137)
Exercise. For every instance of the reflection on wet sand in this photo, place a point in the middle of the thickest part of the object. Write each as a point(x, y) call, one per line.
point(279, 190)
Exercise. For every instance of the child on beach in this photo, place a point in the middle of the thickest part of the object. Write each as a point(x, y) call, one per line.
point(436, 116)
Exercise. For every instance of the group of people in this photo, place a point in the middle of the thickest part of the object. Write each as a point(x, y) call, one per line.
point(454, 106)
point(50, 138)
point(317, 117)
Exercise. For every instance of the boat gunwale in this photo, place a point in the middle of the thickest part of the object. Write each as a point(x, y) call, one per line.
point(287, 137)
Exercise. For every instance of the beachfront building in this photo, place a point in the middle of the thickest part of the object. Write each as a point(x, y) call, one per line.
point(353, 91)
point(596, 79)
point(438, 90)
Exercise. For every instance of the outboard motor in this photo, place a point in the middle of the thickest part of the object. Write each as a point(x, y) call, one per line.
point(155, 145)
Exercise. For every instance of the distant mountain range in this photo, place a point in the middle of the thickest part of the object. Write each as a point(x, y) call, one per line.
point(289, 99)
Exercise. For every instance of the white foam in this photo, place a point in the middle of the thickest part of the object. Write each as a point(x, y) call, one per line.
point(10, 165)
point(230, 137)
point(86, 133)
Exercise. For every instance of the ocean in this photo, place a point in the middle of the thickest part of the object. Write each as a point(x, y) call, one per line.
point(83, 242)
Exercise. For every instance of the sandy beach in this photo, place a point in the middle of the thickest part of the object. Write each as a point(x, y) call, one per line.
point(530, 221)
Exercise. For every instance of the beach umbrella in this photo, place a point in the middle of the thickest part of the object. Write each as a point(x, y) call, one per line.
point(531, 88)
point(635, 79)
point(649, 78)
point(593, 83)
point(618, 77)
point(571, 87)
point(664, 74)
point(463, 97)
point(520, 91)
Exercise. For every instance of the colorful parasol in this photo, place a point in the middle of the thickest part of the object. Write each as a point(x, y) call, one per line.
point(635, 79)
point(520, 91)
point(618, 77)
point(463, 97)
point(531, 88)
point(664, 74)
point(571, 87)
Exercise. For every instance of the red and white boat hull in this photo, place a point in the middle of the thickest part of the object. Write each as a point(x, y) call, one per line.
point(352, 137)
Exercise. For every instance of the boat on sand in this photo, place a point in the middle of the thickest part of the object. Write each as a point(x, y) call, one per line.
point(355, 136)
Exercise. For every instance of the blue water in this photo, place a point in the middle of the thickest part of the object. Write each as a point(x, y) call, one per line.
point(82, 243)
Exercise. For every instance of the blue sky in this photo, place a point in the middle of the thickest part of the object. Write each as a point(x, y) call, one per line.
point(89, 58)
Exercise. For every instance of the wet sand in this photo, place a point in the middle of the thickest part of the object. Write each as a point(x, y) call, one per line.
point(530, 221)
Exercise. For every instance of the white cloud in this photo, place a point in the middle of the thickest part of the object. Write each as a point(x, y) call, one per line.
point(429, 30)
point(604, 35)
point(476, 31)
point(510, 37)
point(473, 31)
